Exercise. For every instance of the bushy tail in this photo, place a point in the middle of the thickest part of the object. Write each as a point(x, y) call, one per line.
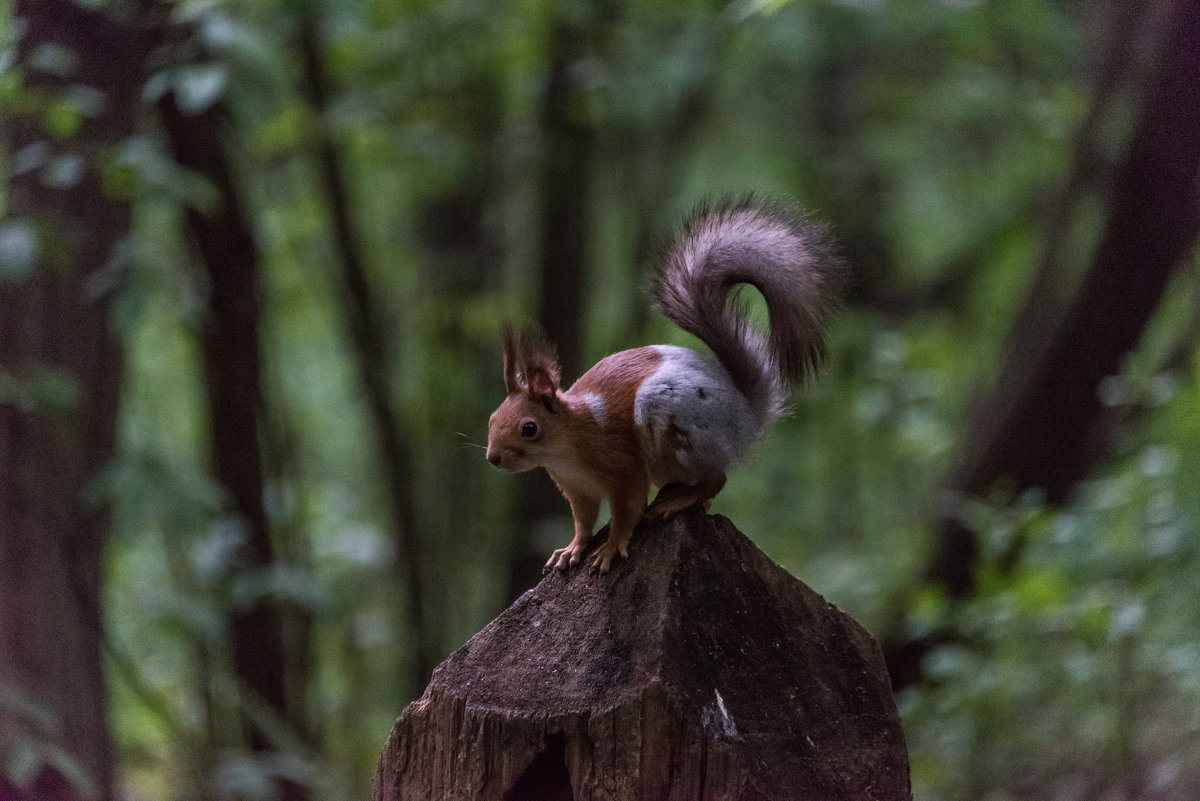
point(783, 256)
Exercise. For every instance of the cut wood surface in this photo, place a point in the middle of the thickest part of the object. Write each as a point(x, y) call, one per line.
point(697, 669)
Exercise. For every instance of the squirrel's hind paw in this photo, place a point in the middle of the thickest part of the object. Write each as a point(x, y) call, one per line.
point(675, 498)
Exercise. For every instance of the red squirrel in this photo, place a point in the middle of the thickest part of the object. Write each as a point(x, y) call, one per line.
point(662, 414)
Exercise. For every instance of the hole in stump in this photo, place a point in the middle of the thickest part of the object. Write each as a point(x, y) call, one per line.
point(546, 778)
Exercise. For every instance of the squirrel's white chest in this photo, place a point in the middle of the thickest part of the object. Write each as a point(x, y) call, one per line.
point(571, 473)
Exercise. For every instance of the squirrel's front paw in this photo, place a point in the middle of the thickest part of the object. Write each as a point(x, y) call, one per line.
point(563, 558)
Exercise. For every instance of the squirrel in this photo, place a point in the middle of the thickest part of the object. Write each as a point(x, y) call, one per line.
point(664, 415)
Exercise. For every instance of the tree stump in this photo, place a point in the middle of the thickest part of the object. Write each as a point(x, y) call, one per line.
point(697, 669)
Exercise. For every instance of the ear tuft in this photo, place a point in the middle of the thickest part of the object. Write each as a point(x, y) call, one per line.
point(530, 365)
point(510, 338)
point(539, 364)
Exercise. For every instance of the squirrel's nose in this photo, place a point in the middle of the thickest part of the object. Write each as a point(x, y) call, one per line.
point(494, 458)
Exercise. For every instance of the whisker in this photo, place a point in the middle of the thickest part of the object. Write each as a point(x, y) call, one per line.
point(470, 444)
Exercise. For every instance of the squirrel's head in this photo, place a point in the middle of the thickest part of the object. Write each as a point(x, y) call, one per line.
point(522, 432)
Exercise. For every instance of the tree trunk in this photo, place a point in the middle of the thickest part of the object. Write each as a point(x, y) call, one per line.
point(1042, 425)
point(566, 171)
point(60, 369)
point(566, 185)
point(362, 317)
point(233, 383)
point(696, 670)
point(1035, 430)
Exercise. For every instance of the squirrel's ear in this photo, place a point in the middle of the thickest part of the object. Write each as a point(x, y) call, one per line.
point(539, 368)
point(542, 381)
point(511, 385)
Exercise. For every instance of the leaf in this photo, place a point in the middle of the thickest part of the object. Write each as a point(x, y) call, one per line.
point(18, 249)
point(30, 157)
point(21, 761)
point(156, 170)
point(215, 554)
point(54, 59)
point(62, 118)
point(56, 393)
point(64, 172)
point(88, 101)
point(199, 86)
point(1127, 620)
point(30, 743)
point(72, 770)
point(238, 776)
point(1040, 590)
point(33, 716)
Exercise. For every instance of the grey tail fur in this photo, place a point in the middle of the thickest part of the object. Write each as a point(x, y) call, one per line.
point(778, 252)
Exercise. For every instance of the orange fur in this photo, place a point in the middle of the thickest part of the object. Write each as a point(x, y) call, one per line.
point(663, 414)
point(589, 459)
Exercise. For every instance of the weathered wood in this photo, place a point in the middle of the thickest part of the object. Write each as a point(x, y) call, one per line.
point(697, 670)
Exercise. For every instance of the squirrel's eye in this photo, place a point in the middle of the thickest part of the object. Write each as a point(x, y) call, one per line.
point(529, 429)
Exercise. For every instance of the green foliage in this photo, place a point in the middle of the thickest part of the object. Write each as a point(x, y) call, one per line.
point(31, 741)
point(44, 391)
point(931, 135)
point(18, 249)
point(1075, 672)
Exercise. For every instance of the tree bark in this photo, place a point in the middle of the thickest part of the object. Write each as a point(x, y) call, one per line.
point(60, 369)
point(695, 670)
point(233, 384)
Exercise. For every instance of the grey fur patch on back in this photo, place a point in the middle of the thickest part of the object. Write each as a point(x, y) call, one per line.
point(700, 401)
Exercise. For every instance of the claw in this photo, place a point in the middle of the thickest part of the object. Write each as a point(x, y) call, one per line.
point(563, 558)
point(606, 554)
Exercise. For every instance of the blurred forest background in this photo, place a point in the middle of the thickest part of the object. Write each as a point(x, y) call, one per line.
point(255, 255)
